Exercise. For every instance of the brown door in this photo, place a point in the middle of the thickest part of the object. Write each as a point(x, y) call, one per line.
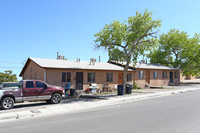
point(147, 77)
point(120, 78)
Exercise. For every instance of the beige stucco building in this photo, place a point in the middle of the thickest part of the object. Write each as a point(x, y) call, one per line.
point(153, 74)
point(81, 73)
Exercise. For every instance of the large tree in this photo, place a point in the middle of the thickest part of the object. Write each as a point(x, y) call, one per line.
point(177, 49)
point(125, 41)
point(7, 76)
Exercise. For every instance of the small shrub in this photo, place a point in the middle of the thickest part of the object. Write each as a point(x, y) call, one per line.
point(135, 86)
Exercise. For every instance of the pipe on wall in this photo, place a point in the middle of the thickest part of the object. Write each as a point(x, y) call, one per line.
point(45, 75)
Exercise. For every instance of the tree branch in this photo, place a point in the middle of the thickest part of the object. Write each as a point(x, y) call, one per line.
point(115, 44)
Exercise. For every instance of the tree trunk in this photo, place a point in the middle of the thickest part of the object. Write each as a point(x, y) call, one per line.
point(124, 76)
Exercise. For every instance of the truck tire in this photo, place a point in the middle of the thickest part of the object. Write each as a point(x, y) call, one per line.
point(7, 103)
point(56, 98)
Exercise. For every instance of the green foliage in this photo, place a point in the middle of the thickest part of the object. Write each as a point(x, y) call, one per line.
point(7, 76)
point(127, 40)
point(177, 49)
point(135, 86)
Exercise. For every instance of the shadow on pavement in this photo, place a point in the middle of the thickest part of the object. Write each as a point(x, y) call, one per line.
point(26, 105)
point(41, 104)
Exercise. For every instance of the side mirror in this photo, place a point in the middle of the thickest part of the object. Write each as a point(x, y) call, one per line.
point(45, 86)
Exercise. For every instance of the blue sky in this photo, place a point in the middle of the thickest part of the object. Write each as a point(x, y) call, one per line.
point(41, 28)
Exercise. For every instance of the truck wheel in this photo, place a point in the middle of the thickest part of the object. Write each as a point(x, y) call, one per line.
point(7, 103)
point(56, 98)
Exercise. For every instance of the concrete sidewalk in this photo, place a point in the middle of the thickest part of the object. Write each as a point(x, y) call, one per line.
point(40, 109)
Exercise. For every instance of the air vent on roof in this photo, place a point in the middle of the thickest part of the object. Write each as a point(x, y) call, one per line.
point(61, 57)
point(77, 59)
point(92, 61)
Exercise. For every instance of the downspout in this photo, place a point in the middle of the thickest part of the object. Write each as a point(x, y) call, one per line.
point(45, 75)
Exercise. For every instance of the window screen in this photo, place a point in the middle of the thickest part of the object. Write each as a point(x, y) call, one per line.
point(140, 74)
point(91, 77)
point(129, 77)
point(164, 74)
point(155, 74)
point(66, 76)
point(109, 77)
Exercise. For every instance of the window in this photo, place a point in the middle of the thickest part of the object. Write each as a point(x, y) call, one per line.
point(40, 84)
point(91, 77)
point(155, 74)
point(129, 77)
point(164, 74)
point(175, 74)
point(63, 77)
point(29, 84)
point(66, 76)
point(109, 77)
point(140, 74)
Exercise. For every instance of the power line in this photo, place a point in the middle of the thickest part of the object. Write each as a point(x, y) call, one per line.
point(8, 62)
point(11, 67)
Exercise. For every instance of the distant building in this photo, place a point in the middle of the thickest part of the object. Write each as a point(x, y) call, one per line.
point(189, 77)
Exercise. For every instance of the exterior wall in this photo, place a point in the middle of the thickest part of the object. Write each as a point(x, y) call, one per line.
point(159, 81)
point(33, 71)
point(139, 82)
point(182, 77)
point(190, 77)
point(54, 77)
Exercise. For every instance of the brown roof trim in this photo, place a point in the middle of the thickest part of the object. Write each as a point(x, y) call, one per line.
point(86, 69)
point(157, 69)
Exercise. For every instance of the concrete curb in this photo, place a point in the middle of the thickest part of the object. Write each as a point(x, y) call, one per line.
point(50, 110)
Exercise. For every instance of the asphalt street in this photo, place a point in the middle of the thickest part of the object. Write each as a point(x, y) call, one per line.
point(178, 113)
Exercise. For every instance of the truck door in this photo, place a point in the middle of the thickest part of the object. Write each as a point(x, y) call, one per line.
point(29, 92)
point(43, 90)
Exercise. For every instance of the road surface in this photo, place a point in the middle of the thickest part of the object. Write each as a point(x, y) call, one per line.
point(178, 113)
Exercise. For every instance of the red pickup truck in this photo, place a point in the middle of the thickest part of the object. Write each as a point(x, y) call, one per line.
point(30, 90)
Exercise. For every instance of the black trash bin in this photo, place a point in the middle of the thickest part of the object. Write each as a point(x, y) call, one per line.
point(72, 92)
point(129, 88)
point(120, 90)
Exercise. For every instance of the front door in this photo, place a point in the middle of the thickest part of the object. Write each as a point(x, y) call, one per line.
point(79, 80)
point(171, 78)
point(29, 91)
point(120, 78)
point(147, 77)
point(43, 90)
